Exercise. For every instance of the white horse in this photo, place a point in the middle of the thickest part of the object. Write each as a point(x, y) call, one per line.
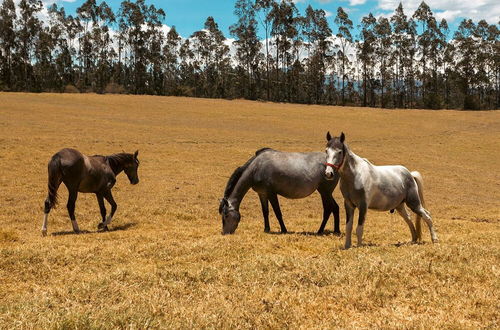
point(383, 188)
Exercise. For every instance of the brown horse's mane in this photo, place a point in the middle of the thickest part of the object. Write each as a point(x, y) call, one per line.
point(233, 180)
point(116, 161)
point(121, 158)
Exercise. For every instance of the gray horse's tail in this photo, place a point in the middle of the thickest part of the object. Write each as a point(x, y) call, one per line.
point(420, 185)
point(55, 177)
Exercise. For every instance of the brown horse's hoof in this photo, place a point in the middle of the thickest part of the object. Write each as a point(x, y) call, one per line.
point(100, 225)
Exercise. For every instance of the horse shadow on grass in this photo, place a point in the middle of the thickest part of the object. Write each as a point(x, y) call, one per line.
point(125, 226)
point(307, 233)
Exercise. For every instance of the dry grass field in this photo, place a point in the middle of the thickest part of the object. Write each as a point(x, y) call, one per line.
point(164, 264)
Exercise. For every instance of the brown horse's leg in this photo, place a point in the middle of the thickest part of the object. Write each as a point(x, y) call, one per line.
point(102, 208)
point(73, 194)
point(54, 181)
point(111, 201)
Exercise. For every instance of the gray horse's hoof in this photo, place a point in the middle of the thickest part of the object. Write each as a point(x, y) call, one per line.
point(44, 233)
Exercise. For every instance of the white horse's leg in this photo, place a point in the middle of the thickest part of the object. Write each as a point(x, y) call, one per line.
point(349, 211)
point(427, 218)
point(44, 225)
point(361, 222)
point(404, 214)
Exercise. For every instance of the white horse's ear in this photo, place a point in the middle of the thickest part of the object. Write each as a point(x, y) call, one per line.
point(342, 137)
point(328, 136)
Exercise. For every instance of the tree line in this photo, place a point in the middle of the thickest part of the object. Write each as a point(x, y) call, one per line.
point(278, 54)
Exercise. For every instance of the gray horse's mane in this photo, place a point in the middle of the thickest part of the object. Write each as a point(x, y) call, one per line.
point(233, 180)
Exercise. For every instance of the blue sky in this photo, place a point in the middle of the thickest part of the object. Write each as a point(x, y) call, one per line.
point(189, 15)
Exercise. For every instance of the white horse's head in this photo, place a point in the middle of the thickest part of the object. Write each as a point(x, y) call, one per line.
point(335, 154)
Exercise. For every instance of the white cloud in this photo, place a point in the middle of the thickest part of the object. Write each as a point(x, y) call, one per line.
point(451, 9)
point(328, 13)
point(356, 2)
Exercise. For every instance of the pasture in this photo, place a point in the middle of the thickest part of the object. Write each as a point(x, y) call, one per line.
point(165, 264)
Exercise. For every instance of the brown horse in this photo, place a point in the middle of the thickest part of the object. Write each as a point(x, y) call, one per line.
point(87, 174)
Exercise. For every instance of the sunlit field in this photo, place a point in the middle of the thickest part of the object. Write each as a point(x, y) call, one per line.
point(164, 264)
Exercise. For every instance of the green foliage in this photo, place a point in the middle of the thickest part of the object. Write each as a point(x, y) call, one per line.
point(400, 62)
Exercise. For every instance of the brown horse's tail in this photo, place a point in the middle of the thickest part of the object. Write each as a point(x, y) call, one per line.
point(420, 185)
point(55, 178)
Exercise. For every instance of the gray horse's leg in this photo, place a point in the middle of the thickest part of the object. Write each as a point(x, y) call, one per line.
point(326, 210)
point(329, 206)
point(361, 221)
point(264, 202)
point(336, 215)
point(404, 214)
point(277, 211)
point(349, 215)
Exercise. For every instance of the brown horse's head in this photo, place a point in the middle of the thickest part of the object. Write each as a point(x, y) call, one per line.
point(230, 216)
point(130, 169)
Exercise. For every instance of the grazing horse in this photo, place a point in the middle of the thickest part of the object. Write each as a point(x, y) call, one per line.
point(381, 188)
point(87, 174)
point(271, 173)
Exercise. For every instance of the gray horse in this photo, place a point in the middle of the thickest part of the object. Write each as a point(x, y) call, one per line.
point(271, 173)
point(381, 188)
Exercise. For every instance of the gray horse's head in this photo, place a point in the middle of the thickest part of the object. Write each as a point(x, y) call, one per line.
point(230, 216)
point(130, 169)
point(335, 154)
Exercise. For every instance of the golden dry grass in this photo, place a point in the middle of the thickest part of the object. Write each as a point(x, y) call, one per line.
point(166, 265)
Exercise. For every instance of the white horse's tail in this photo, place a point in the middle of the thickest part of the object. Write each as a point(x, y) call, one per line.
point(420, 185)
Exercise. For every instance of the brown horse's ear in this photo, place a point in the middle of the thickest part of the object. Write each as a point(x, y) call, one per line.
point(342, 137)
point(328, 136)
point(136, 153)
